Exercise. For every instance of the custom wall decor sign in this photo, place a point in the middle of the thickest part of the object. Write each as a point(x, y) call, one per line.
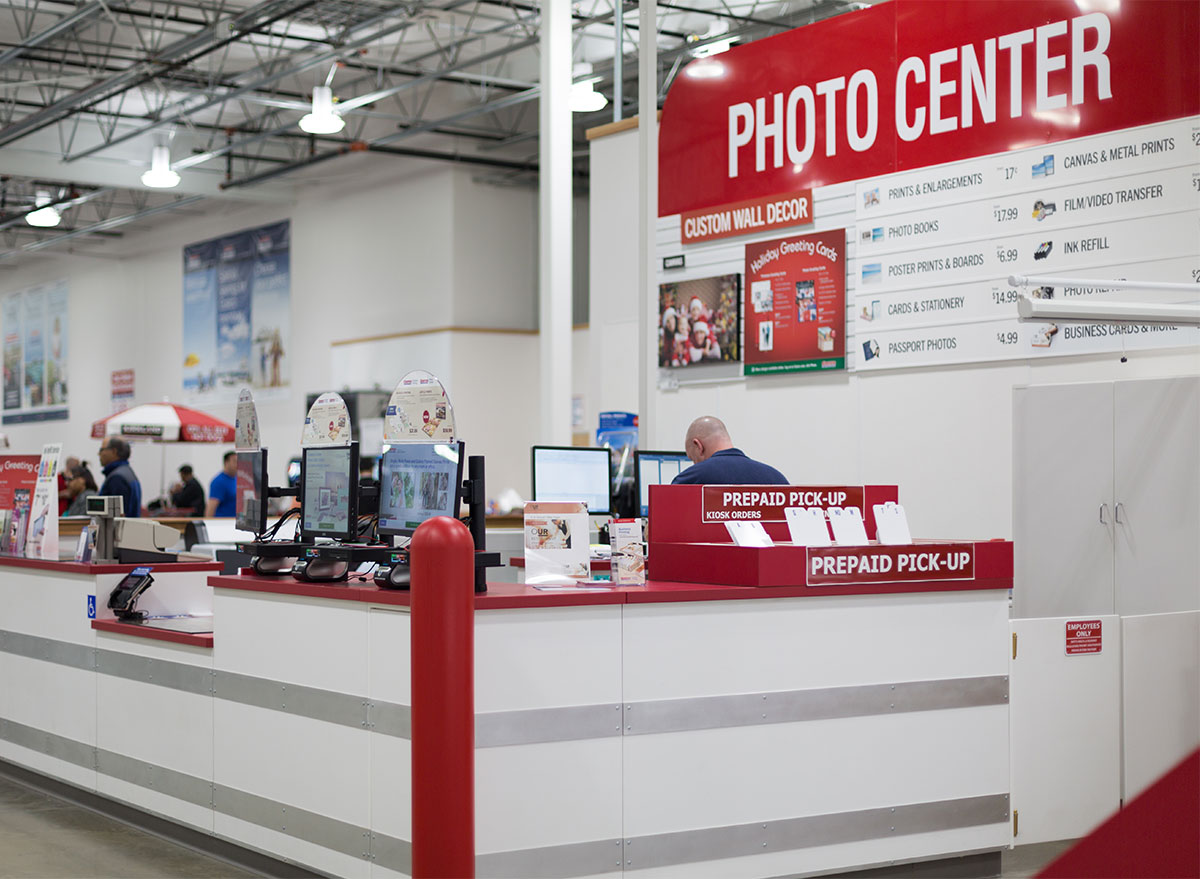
point(237, 314)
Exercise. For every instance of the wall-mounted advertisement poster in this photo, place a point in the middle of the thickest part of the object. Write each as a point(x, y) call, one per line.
point(796, 303)
point(698, 321)
point(237, 314)
point(34, 326)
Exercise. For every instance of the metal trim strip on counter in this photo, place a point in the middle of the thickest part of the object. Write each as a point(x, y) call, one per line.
point(530, 726)
point(572, 859)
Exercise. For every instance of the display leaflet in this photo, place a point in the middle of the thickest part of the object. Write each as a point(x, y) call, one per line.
point(796, 303)
point(419, 411)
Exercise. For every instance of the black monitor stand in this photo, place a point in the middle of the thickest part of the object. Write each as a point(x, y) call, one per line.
point(275, 557)
point(475, 494)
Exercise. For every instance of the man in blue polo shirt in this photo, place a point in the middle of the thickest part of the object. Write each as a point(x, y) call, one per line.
point(222, 491)
point(715, 461)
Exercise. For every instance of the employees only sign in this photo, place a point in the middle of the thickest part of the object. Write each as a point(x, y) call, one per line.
point(767, 503)
point(1084, 636)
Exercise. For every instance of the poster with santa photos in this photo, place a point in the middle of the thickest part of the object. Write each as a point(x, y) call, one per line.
point(699, 321)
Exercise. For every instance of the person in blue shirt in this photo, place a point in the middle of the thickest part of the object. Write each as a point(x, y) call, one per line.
point(715, 461)
point(222, 491)
point(119, 478)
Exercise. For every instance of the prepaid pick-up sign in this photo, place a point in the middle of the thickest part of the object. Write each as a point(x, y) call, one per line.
point(837, 565)
point(767, 503)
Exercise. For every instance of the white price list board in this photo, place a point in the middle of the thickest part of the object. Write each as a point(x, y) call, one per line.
point(935, 247)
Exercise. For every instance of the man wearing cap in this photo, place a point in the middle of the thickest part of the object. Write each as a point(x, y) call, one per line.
point(715, 461)
point(187, 495)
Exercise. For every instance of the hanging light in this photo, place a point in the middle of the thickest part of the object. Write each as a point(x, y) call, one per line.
point(712, 41)
point(160, 175)
point(584, 97)
point(322, 119)
point(46, 215)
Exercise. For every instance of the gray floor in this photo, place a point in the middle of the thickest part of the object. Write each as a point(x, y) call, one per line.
point(46, 838)
point(42, 837)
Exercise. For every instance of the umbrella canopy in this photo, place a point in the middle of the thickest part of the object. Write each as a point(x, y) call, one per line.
point(164, 423)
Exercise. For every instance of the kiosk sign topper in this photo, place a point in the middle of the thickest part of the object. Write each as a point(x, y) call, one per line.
point(768, 503)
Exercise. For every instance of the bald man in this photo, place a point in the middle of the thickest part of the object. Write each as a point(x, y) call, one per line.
point(715, 461)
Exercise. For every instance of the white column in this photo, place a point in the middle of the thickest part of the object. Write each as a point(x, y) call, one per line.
point(554, 221)
point(648, 220)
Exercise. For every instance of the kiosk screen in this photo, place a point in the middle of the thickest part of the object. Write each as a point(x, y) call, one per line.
point(572, 474)
point(418, 481)
point(329, 492)
point(656, 468)
point(252, 491)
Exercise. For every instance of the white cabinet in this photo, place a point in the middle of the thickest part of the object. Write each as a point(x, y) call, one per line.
point(1106, 498)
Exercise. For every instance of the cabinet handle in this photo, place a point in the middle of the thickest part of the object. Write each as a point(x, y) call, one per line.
point(1117, 513)
point(1103, 510)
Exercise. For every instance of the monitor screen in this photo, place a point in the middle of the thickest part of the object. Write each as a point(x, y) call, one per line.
point(329, 492)
point(656, 468)
point(252, 491)
point(417, 482)
point(573, 473)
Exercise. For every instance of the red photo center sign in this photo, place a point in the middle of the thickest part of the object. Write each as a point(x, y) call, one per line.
point(767, 503)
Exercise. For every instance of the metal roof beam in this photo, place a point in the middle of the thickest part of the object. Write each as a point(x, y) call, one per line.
point(62, 26)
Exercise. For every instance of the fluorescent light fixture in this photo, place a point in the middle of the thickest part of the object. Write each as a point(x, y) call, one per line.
point(585, 98)
point(322, 119)
point(705, 69)
point(160, 175)
point(46, 216)
point(716, 47)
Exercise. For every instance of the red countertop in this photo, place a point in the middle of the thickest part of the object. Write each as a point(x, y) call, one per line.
point(192, 639)
point(105, 568)
point(510, 595)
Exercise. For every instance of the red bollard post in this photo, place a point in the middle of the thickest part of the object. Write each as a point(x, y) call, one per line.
point(442, 626)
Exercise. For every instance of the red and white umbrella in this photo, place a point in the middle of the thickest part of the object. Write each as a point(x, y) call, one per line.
point(164, 423)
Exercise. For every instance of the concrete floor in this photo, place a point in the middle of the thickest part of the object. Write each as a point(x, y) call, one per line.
point(42, 837)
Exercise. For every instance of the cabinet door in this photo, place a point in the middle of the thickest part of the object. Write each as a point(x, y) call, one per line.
point(1062, 500)
point(1157, 492)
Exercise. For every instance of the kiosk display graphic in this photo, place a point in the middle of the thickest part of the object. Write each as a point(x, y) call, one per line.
point(698, 321)
point(328, 488)
point(245, 426)
point(419, 411)
point(417, 482)
point(797, 319)
point(327, 422)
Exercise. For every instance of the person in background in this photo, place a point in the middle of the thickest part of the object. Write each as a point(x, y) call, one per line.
point(64, 476)
point(119, 478)
point(222, 491)
point(715, 461)
point(81, 486)
point(188, 494)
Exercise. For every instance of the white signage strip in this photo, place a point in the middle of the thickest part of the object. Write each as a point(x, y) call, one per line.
point(1087, 159)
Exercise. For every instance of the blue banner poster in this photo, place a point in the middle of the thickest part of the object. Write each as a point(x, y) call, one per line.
point(35, 331)
point(237, 314)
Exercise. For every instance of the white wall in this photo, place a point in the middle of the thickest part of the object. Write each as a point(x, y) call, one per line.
point(943, 435)
point(401, 245)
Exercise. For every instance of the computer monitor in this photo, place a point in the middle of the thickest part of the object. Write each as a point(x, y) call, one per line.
point(573, 473)
point(655, 468)
point(417, 482)
point(329, 492)
point(251, 491)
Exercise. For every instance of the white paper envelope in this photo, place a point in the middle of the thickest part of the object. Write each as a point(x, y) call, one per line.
point(807, 527)
point(749, 534)
point(848, 528)
point(891, 524)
